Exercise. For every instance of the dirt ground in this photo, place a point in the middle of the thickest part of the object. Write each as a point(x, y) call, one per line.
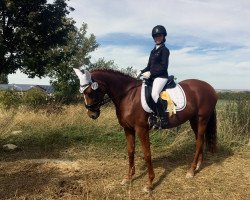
point(92, 176)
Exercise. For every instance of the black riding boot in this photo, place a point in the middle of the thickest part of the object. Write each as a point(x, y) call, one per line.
point(161, 107)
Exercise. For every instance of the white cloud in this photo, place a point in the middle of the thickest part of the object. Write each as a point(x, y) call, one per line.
point(185, 64)
point(224, 24)
point(123, 56)
point(20, 78)
point(217, 69)
point(223, 20)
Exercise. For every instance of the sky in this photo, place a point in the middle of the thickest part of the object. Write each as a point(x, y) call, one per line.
point(208, 39)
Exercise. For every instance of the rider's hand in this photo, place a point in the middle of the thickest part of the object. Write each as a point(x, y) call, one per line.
point(146, 75)
point(138, 74)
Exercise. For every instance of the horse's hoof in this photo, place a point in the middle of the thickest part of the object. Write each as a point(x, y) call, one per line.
point(190, 174)
point(147, 189)
point(125, 182)
point(198, 166)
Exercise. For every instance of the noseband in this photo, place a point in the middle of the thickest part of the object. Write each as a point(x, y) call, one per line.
point(96, 106)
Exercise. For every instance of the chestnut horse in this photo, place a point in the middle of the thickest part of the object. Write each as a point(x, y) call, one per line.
point(125, 92)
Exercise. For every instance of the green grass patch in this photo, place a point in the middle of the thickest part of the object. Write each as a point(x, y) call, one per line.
point(52, 133)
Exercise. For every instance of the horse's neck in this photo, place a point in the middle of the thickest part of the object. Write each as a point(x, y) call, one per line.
point(116, 85)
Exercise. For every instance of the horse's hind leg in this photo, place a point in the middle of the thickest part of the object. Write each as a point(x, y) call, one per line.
point(199, 128)
point(194, 126)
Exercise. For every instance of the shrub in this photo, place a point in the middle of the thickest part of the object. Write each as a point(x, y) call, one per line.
point(10, 99)
point(234, 95)
point(35, 98)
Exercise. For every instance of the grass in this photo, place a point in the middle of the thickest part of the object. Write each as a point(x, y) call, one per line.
point(66, 155)
point(233, 123)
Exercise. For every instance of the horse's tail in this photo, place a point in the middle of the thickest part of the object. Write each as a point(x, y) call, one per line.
point(211, 133)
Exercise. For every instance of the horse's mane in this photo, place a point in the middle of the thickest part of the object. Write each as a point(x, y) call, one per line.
point(113, 71)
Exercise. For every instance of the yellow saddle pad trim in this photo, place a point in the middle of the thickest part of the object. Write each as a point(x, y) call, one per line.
point(171, 107)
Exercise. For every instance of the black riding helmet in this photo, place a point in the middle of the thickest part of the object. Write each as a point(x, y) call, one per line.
point(159, 29)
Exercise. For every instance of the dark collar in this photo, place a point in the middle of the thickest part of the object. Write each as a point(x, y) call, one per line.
point(162, 45)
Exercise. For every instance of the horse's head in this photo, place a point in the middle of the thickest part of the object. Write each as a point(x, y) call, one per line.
point(92, 93)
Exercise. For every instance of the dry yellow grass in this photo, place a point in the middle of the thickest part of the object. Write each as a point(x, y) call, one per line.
point(61, 158)
point(95, 178)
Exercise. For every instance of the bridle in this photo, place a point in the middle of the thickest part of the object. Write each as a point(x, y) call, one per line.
point(96, 106)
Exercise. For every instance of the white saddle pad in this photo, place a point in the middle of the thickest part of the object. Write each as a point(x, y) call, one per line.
point(177, 95)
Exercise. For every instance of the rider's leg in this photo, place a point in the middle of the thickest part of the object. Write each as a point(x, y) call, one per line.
point(161, 113)
point(158, 85)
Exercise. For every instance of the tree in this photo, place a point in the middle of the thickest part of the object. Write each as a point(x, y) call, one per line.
point(78, 48)
point(3, 79)
point(34, 98)
point(29, 30)
point(130, 71)
point(102, 64)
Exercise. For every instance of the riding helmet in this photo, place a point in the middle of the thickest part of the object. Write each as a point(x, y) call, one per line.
point(159, 29)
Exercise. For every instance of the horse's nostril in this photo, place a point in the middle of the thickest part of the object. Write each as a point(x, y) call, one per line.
point(94, 115)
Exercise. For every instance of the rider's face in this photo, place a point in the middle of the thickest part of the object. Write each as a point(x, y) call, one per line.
point(158, 38)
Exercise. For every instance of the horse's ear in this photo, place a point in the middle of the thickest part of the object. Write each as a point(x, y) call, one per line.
point(78, 73)
point(88, 75)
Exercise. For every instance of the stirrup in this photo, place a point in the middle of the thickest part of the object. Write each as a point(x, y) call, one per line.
point(161, 123)
point(152, 120)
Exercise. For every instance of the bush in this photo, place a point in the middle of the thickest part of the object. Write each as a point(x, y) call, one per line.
point(35, 99)
point(10, 99)
point(234, 95)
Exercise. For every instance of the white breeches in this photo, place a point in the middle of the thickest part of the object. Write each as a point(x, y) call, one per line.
point(158, 85)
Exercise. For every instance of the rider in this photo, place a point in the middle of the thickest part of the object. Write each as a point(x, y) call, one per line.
point(157, 70)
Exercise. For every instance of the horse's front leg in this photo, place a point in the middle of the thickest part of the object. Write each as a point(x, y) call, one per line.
point(130, 136)
point(143, 134)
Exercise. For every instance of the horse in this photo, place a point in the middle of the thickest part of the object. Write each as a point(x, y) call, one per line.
point(125, 93)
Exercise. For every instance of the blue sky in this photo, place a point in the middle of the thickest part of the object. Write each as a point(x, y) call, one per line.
point(208, 39)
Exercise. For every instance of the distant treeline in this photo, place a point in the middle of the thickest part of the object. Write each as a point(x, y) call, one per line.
point(234, 95)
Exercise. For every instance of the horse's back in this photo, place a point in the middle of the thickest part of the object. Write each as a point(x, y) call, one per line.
point(200, 92)
point(198, 85)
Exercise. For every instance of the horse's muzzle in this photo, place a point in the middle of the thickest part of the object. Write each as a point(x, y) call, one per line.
point(93, 114)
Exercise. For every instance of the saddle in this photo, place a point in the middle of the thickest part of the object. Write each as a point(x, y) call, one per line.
point(148, 90)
